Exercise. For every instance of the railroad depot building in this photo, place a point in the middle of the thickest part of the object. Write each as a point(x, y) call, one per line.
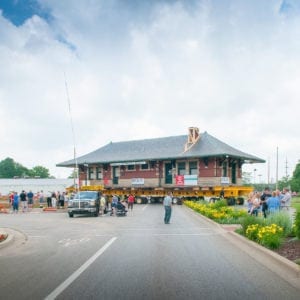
point(196, 161)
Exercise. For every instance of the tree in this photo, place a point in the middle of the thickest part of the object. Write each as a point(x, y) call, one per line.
point(9, 169)
point(39, 171)
point(295, 181)
point(74, 174)
point(284, 182)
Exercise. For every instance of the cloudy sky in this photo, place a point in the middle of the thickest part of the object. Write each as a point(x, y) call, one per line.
point(144, 69)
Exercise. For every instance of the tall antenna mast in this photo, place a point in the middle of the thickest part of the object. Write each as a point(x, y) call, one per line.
point(76, 177)
point(286, 167)
point(277, 168)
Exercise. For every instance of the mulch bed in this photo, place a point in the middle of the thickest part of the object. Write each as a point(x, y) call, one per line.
point(290, 249)
point(3, 237)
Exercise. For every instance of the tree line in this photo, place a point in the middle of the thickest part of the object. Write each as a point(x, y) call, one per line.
point(291, 182)
point(11, 169)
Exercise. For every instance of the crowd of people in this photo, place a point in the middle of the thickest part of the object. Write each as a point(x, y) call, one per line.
point(268, 201)
point(26, 200)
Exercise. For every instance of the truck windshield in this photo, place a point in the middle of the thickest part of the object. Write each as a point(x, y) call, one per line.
point(86, 195)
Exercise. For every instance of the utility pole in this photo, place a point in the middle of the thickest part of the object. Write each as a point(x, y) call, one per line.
point(268, 181)
point(277, 168)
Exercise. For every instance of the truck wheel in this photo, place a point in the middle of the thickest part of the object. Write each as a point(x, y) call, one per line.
point(71, 215)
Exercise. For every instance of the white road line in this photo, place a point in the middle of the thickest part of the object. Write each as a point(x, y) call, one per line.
point(145, 207)
point(78, 272)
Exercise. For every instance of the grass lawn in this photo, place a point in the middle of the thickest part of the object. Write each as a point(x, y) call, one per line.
point(296, 203)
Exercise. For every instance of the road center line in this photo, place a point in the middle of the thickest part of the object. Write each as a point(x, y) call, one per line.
point(78, 272)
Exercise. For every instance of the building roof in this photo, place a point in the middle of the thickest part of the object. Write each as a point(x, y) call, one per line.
point(172, 147)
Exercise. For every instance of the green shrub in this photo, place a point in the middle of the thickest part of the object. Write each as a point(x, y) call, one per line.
point(252, 232)
point(267, 235)
point(270, 236)
point(282, 219)
point(249, 220)
point(219, 204)
point(297, 224)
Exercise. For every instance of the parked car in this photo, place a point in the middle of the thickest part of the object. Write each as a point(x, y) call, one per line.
point(85, 202)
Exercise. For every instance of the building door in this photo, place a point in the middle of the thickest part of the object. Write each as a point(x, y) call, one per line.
point(115, 175)
point(168, 173)
point(233, 173)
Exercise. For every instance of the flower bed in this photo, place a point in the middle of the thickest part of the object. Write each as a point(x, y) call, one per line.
point(268, 232)
point(3, 237)
point(219, 211)
point(268, 236)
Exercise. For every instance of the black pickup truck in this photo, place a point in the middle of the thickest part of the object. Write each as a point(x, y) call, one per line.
point(85, 202)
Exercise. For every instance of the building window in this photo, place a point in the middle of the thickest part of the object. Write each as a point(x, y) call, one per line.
point(98, 173)
point(91, 173)
point(145, 166)
point(193, 168)
point(131, 167)
point(181, 168)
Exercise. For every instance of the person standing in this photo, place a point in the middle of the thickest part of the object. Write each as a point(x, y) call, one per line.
point(273, 203)
point(53, 200)
point(264, 197)
point(130, 202)
point(41, 197)
point(11, 199)
point(30, 199)
point(255, 204)
point(102, 204)
point(49, 199)
point(286, 199)
point(61, 199)
point(15, 202)
point(168, 207)
point(114, 203)
point(23, 199)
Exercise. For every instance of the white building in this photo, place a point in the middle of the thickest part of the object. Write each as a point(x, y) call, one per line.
point(34, 184)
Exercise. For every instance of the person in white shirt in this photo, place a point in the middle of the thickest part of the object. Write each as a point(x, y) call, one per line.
point(286, 200)
point(168, 207)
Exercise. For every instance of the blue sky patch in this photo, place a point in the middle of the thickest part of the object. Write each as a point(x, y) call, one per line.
point(18, 11)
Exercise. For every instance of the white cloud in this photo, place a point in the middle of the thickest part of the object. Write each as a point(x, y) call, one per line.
point(231, 68)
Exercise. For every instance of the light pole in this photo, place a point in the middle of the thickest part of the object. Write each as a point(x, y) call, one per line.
point(254, 175)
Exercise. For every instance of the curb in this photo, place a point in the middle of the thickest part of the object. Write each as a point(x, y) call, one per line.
point(283, 267)
point(283, 262)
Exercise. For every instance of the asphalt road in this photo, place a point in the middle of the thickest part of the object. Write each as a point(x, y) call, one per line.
point(133, 257)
